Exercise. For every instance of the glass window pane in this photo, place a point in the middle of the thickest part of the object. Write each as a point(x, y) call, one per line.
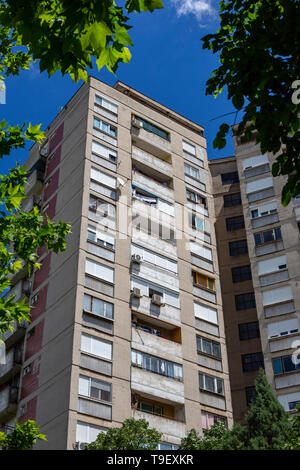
point(277, 366)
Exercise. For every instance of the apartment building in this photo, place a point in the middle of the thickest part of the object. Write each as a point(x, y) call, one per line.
point(242, 330)
point(128, 322)
point(272, 233)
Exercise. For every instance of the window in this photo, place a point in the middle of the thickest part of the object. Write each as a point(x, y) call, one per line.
point(245, 301)
point(156, 365)
point(104, 151)
point(249, 330)
point(206, 313)
point(105, 127)
point(251, 362)
point(210, 383)
point(34, 298)
point(235, 223)
point(106, 104)
point(196, 198)
point(259, 185)
point(263, 210)
point(293, 404)
point(283, 328)
point(261, 238)
point(250, 394)
point(203, 281)
point(166, 446)
point(150, 408)
point(87, 433)
point(209, 419)
point(272, 265)
point(100, 271)
point(238, 248)
point(191, 171)
point(230, 178)
point(285, 364)
point(197, 223)
point(96, 346)
point(103, 184)
point(152, 128)
point(94, 388)
point(189, 148)
point(98, 307)
point(207, 346)
point(241, 273)
point(101, 238)
point(232, 200)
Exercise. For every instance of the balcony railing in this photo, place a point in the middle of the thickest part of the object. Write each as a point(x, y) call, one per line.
point(262, 194)
point(264, 220)
point(149, 184)
point(165, 424)
point(152, 161)
point(257, 170)
point(273, 278)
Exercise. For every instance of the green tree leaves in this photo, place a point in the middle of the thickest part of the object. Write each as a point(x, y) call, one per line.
point(65, 36)
point(258, 65)
point(132, 435)
point(22, 437)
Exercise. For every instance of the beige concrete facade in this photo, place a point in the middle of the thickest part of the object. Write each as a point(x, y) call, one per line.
point(274, 250)
point(125, 323)
point(241, 326)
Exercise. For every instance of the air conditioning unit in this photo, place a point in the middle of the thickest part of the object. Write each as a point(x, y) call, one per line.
point(136, 292)
point(156, 300)
point(137, 123)
point(136, 258)
point(44, 150)
point(26, 287)
point(80, 445)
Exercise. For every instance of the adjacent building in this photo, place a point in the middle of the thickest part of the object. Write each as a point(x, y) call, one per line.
point(128, 322)
point(272, 233)
point(242, 331)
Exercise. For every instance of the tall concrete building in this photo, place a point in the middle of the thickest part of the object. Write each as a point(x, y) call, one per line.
point(128, 322)
point(274, 250)
point(242, 330)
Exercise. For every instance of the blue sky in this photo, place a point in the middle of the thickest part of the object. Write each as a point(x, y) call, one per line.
point(168, 64)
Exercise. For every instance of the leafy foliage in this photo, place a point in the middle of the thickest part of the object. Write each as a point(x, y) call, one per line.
point(132, 435)
point(259, 54)
point(267, 428)
point(21, 234)
point(22, 437)
point(66, 35)
point(294, 439)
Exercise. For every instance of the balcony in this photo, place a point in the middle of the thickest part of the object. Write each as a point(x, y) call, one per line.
point(262, 194)
point(297, 212)
point(270, 247)
point(279, 309)
point(149, 141)
point(153, 243)
point(283, 342)
point(257, 170)
point(167, 426)
point(8, 401)
point(264, 220)
point(202, 263)
point(157, 165)
point(205, 294)
point(12, 366)
point(165, 313)
point(287, 380)
point(154, 187)
point(153, 344)
point(155, 385)
point(273, 278)
point(12, 337)
point(99, 250)
point(35, 182)
point(20, 289)
point(158, 275)
point(30, 202)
